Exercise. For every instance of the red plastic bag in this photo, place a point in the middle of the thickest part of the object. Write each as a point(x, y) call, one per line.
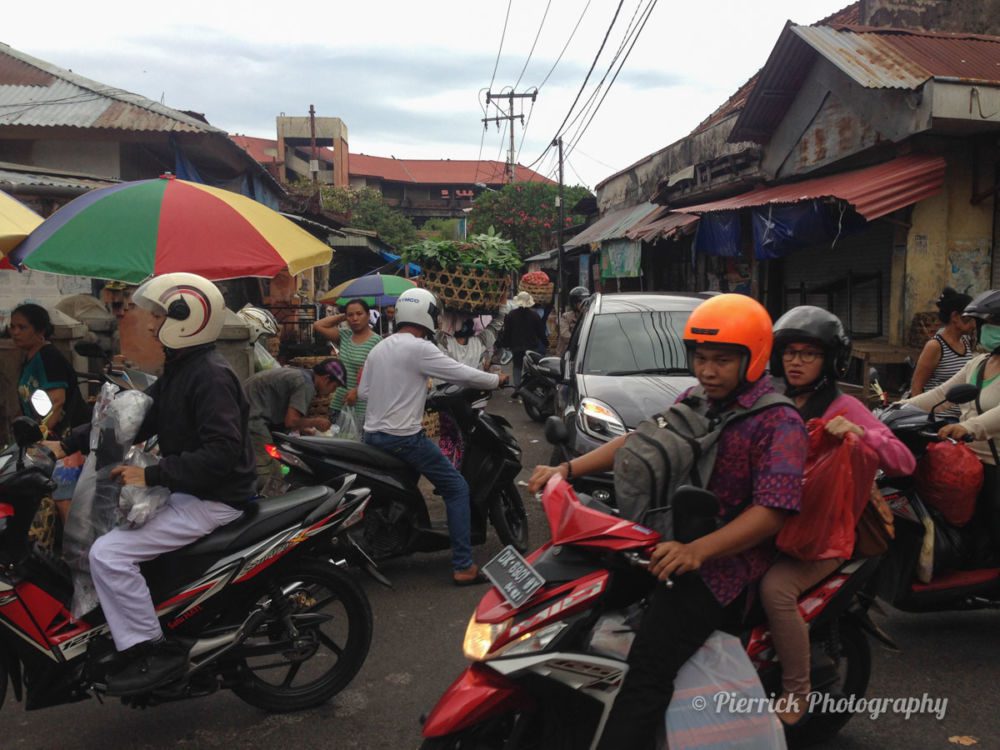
point(949, 478)
point(836, 485)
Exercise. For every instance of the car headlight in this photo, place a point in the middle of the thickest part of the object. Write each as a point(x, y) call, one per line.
point(600, 420)
point(480, 637)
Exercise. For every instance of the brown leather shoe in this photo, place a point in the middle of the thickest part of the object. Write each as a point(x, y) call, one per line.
point(471, 576)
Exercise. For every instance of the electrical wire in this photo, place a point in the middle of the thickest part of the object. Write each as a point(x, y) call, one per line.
point(503, 34)
point(649, 11)
point(565, 46)
point(595, 159)
point(573, 170)
point(482, 137)
point(583, 86)
point(532, 50)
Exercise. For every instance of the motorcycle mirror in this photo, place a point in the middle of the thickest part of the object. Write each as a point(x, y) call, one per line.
point(551, 367)
point(89, 349)
point(41, 403)
point(26, 431)
point(556, 431)
point(873, 374)
point(962, 394)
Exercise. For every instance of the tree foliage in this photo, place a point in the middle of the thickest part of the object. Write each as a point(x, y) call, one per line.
point(366, 209)
point(526, 212)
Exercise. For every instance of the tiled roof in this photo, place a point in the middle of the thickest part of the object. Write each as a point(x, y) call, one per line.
point(438, 171)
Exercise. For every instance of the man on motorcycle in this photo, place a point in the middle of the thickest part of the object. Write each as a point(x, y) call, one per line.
point(200, 414)
point(757, 478)
point(394, 382)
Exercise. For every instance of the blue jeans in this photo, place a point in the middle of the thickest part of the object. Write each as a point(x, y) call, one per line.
point(420, 453)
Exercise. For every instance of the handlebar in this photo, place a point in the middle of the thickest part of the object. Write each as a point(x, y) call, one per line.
point(967, 438)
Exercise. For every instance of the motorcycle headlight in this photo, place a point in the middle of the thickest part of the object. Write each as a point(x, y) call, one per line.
point(599, 420)
point(480, 637)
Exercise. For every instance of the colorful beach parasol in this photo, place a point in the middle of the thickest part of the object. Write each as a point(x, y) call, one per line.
point(16, 222)
point(376, 290)
point(131, 231)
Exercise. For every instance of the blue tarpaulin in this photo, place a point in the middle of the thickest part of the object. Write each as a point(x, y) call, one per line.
point(781, 229)
point(718, 234)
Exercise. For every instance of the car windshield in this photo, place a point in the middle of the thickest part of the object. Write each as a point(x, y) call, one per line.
point(636, 342)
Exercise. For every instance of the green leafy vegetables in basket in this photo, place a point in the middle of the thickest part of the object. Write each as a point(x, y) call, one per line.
point(489, 250)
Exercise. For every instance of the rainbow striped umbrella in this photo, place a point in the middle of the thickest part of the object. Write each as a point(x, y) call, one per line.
point(16, 222)
point(134, 230)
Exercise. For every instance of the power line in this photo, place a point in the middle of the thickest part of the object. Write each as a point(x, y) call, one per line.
point(649, 12)
point(482, 137)
point(565, 46)
point(503, 34)
point(573, 170)
point(595, 159)
point(532, 50)
point(584, 85)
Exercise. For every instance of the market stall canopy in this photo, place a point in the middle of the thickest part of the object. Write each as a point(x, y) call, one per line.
point(134, 230)
point(662, 224)
point(613, 225)
point(16, 222)
point(375, 289)
point(872, 192)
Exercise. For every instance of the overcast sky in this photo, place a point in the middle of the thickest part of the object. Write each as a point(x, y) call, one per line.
point(407, 77)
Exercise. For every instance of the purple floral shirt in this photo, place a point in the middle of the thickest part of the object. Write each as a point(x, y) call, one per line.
point(760, 460)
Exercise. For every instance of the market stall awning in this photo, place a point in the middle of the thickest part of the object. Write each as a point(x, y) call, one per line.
point(662, 224)
point(873, 191)
point(613, 225)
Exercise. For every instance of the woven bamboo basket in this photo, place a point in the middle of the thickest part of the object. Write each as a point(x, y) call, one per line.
point(542, 293)
point(467, 288)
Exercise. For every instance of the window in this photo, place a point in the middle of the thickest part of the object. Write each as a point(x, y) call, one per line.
point(636, 341)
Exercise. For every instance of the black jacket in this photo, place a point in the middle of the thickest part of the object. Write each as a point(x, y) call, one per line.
point(200, 414)
point(523, 330)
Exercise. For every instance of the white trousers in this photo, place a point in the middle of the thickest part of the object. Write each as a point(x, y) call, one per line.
point(115, 558)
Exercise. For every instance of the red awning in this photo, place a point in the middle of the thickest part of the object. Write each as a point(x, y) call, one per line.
point(873, 191)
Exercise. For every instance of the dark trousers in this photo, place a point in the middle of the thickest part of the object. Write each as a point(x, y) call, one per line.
point(677, 622)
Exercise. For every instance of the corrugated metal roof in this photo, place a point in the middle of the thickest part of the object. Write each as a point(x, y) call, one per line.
point(662, 224)
point(873, 191)
point(613, 225)
point(36, 93)
point(17, 178)
point(869, 59)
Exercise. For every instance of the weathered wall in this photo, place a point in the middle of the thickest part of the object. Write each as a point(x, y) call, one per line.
point(100, 158)
point(973, 16)
point(949, 242)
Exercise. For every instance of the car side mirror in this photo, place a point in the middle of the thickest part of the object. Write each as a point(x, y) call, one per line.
point(551, 367)
point(41, 403)
point(962, 394)
point(556, 431)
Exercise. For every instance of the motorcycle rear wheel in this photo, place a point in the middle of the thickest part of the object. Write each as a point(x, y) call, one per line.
point(334, 649)
point(509, 518)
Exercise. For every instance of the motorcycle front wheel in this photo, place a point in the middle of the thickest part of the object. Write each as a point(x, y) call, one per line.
point(282, 672)
point(509, 518)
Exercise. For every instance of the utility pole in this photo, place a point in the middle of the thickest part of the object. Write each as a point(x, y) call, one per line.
point(314, 162)
point(507, 116)
point(560, 287)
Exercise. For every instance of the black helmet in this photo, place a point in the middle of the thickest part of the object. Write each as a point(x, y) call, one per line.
point(985, 306)
point(577, 295)
point(809, 323)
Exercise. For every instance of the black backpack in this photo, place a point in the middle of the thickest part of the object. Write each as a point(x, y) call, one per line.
point(676, 447)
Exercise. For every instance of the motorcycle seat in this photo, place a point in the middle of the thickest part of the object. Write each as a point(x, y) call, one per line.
point(354, 452)
point(261, 518)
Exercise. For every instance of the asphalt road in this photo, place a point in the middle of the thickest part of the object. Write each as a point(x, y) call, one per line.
point(416, 653)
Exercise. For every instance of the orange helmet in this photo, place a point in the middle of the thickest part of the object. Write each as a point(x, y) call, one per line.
point(733, 320)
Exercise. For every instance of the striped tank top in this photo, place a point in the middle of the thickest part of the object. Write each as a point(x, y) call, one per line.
point(951, 362)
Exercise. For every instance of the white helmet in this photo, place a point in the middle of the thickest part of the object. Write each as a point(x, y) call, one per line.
point(261, 322)
point(417, 307)
point(194, 308)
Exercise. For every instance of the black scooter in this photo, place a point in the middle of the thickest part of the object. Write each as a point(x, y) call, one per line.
point(539, 379)
point(397, 522)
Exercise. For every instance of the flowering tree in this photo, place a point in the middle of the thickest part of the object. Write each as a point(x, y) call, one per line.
point(526, 213)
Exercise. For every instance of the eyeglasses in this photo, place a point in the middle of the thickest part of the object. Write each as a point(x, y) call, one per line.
point(806, 356)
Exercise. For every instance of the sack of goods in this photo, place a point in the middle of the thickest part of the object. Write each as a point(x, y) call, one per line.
point(836, 486)
point(949, 478)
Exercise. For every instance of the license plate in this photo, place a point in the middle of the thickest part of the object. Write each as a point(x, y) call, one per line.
point(513, 576)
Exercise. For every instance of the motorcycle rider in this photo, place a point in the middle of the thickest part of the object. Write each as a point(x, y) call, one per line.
point(200, 413)
point(811, 351)
point(979, 418)
point(568, 320)
point(758, 479)
point(395, 384)
point(262, 325)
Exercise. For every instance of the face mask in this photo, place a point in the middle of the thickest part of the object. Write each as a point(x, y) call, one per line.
point(989, 337)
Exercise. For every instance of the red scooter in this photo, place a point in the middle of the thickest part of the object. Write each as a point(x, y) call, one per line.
point(538, 679)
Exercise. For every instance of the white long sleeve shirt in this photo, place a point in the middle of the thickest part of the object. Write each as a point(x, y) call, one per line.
point(394, 382)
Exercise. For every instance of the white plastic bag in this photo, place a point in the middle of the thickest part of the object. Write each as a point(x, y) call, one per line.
point(719, 703)
point(136, 505)
point(347, 425)
point(263, 359)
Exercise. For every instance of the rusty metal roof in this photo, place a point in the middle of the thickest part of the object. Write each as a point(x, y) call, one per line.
point(873, 191)
point(662, 224)
point(36, 93)
point(904, 59)
point(613, 225)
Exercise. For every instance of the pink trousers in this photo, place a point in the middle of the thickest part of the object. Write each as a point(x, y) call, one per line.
point(780, 590)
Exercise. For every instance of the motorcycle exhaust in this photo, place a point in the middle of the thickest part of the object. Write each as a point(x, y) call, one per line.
point(531, 397)
point(227, 642)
